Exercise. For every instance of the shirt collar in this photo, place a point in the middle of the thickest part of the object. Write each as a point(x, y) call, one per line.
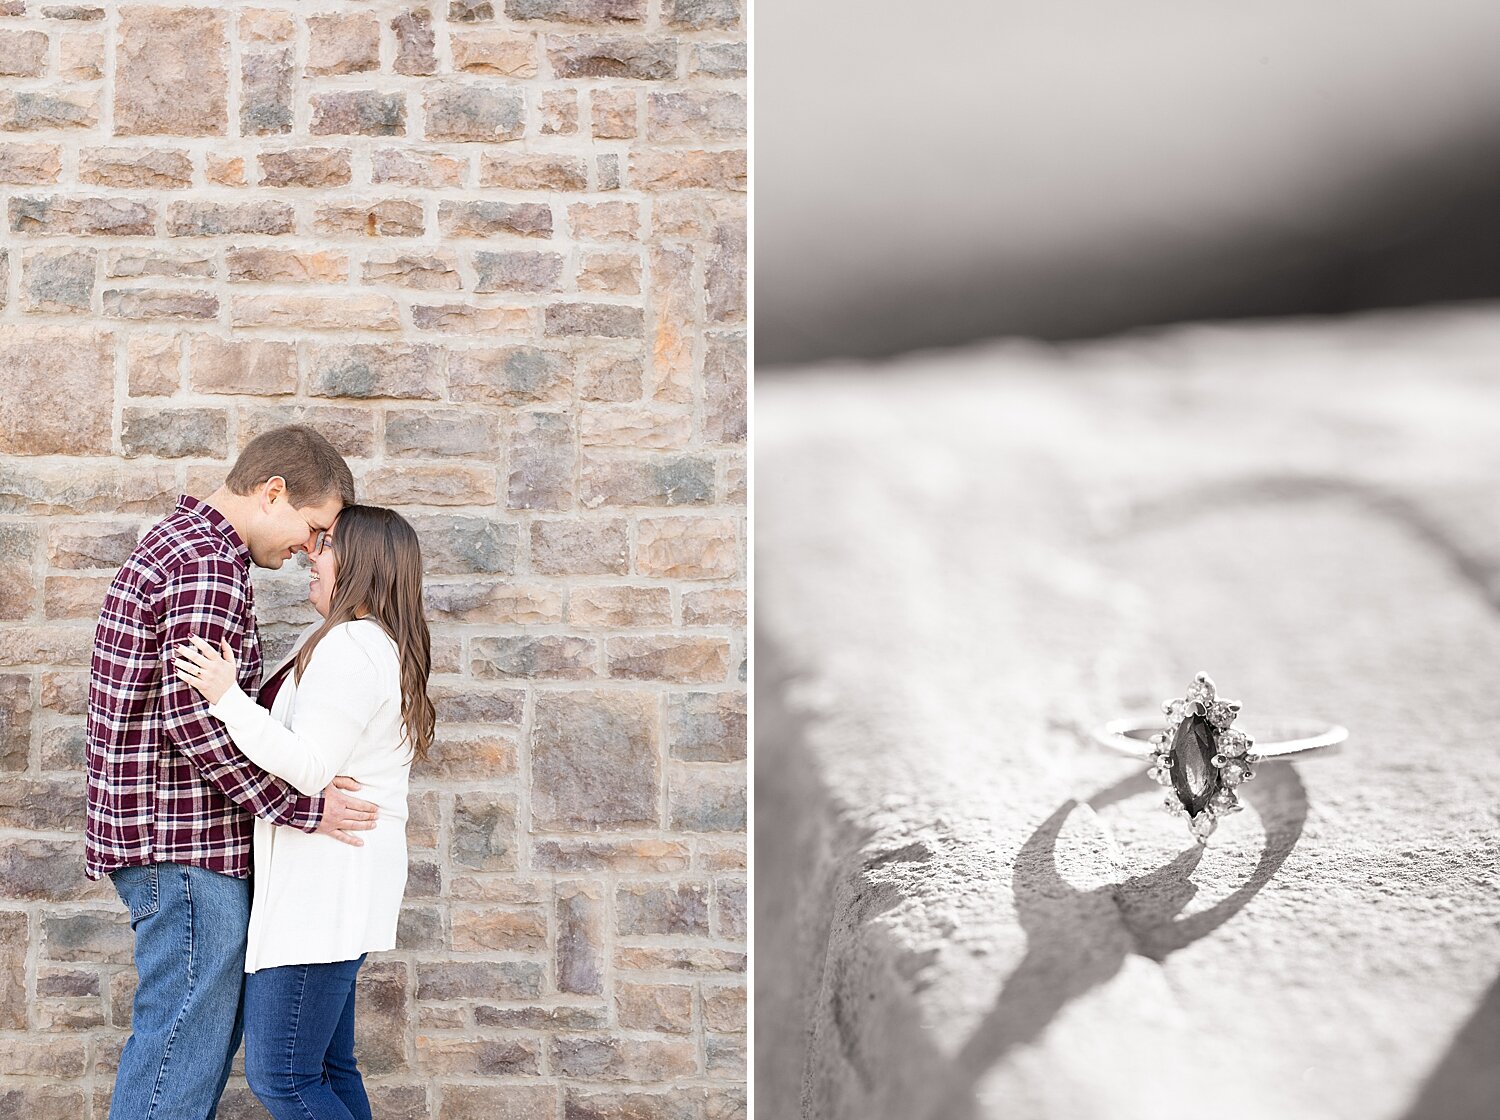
point(186, 503)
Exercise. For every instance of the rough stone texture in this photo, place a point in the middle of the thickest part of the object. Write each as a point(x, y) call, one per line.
point(401, 224)
point(966, 561)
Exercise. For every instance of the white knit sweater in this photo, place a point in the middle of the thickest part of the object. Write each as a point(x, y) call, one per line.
point(317, 899)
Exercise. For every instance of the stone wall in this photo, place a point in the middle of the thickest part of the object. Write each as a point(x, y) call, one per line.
point(496, 252)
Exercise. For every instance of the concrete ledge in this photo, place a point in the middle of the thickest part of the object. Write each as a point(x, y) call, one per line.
point(967, 559)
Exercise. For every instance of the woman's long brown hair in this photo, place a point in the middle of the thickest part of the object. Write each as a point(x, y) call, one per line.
point(380, 574)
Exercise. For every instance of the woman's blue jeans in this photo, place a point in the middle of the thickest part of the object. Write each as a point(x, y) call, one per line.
point(299, 1041)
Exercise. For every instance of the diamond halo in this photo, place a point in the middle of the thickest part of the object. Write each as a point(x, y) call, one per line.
point(1201, 758)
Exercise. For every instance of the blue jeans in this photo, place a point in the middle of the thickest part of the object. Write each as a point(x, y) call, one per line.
point(299, 1041)
point(190, 929)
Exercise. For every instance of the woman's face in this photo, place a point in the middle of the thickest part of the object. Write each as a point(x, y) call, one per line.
point(324, 566)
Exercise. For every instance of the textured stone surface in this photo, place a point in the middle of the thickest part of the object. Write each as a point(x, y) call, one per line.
point(967, 560)
point(170, 72)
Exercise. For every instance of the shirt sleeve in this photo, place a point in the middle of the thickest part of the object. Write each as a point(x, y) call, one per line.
point(206, 598)
point(337, 697)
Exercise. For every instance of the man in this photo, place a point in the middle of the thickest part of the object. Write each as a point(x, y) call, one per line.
point(170, 798)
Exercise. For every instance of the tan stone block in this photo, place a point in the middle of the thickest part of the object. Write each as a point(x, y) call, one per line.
point(166, 168)
point(725, 385)
point(724, 283)
point(533, 171)
point(635, 427)
point(482, 219)
point(619, 607)
point(146, 263)
point(461, 112)
point(287, 266)
point(500, 1102)
point(441, 433)
point(343, 43)
point(563, 1017)
point(445, 485)
point(613, 479)
point(595, 761)
point(575, 547)
point(217, 219)
point(453, 757)
point(610, 377)
point(66, 693)
point(75, 596)
point(175, 433)
point(677, 1103)
point(360, 112)
point(504, 889)
point(679, 169)
point(458, 545)
point(493, 602)
point(687, 547)
point(13, 946)
point(267, 25)
point(669, 658)
point(613, 114)
point(171, 75)
point(675, 311)
point(438, 1018)
point(597, 320)
point(255, 367)
point(80, 56)
point(607, 1058)
point(417, 168)
point(478, 1057)
point(683, 217)
point(421, 271)
point(719, 60)
point(669, 958)
point(350, 430)
point(383, 1022)
point(46, 870)
point(415, 42)
point(305, 167)
point(707, 726)
point(390, 218)
point(15, 702)
point(486, 930)
point(30, 164)
point(59, 392)
point(627, 857)
point(483, 835)
point(616, 273)
point(509, 376)
point(17, 588)
point(267, 82)
point(559, 112)
point(468, 319)
point(637, 57)
point(39, 110)
point(86, 488)
point(579, 963)
point(58, 280)
point(505, 53)
point(717, 606)
point(159, 303)
point(72, 216)
point(533, 657)
point(605, 221)
point(724, 1056)
point(731, 913)
point(661, 909)
point(321, 313)
point(667, 1008)
point(366, 370)
point(704, 116)
point(73, 545)
point(225, 171)
point(543, 461)
point(52, 1057)
point(707, 798)
point(23, 54)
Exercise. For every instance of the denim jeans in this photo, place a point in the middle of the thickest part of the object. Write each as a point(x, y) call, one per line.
point(190, 927)
point(299, 1041)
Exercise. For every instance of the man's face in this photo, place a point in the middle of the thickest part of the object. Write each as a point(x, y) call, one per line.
point(283, 530)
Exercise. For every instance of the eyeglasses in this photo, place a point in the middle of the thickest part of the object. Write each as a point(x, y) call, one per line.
point(323, 540)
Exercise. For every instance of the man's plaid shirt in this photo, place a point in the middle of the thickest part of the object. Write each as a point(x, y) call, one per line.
point(165, 781)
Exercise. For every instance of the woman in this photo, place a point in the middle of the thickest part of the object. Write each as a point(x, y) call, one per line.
point(350, 699)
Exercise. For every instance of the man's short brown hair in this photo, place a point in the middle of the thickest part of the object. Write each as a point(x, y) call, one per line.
point(313, 470)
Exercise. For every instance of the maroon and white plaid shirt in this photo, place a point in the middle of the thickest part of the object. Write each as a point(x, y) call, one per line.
point(165, 780)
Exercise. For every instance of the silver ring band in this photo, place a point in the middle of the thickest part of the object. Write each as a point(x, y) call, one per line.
point(1132, 737)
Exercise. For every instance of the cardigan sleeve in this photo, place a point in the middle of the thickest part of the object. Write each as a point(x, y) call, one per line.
point(338, 695)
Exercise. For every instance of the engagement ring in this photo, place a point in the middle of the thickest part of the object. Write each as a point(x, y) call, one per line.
point(1201, 758)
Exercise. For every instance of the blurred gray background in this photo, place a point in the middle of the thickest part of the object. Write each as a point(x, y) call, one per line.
point(932, 174)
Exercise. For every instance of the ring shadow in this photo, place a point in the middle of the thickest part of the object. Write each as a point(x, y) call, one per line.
point(1060, 966)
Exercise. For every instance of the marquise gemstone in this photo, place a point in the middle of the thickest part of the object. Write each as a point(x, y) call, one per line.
point(1195, 779)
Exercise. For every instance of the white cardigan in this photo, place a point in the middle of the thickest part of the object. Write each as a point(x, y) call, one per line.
point(316, 899)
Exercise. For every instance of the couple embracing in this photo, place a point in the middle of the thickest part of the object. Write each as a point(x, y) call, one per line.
point(223, 809)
